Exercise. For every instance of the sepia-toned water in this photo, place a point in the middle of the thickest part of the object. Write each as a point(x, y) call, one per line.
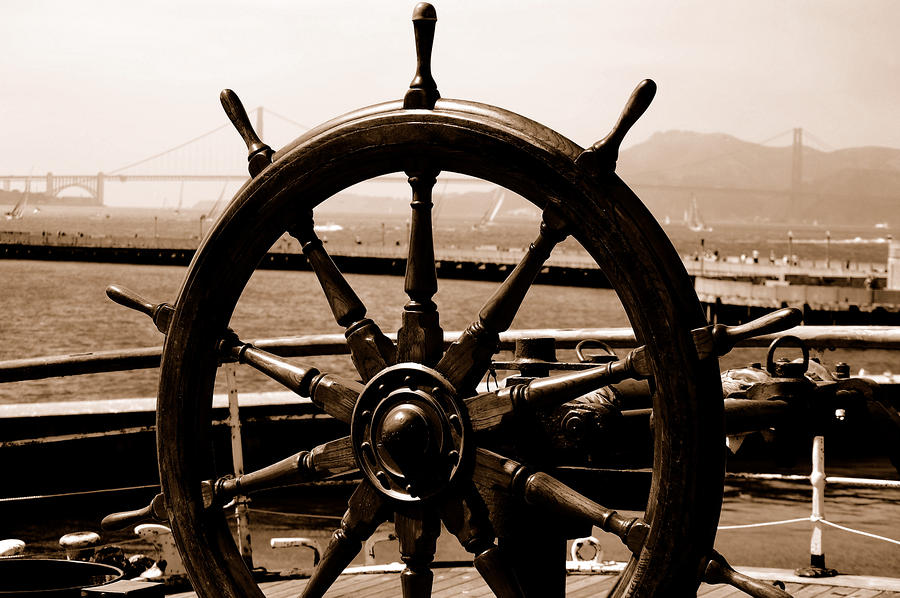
point(50, 308)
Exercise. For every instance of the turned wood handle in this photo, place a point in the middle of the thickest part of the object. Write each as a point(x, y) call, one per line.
point(721, 339)
point(259, 154)
point(719, 571)
point(634, 109)
point(605, 152)
point(161, 313)
point(545, 490)
point(423, 92)
point(777, 321)
point(155, 511)
point(234, 108)
point(130, 299)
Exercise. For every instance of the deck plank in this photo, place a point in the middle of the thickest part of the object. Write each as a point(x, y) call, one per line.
point(811, 591)
point(464, 589)
point(453, 582)
point(600, 585)
point(836, 593)
point(867, 593)
point(718, 591)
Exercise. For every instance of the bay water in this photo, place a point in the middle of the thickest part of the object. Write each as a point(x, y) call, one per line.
point(51, 308)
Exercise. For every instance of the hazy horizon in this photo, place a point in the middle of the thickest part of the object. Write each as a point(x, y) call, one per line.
point(96, 85)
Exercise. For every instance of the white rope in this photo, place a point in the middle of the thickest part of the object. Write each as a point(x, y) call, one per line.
point(861, 533)
point(747, 525)
point(295, 515)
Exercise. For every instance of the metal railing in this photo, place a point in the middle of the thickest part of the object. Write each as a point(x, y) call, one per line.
point(821, 337)
point(818, 480)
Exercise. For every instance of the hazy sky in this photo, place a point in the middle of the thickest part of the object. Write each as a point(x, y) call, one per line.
point(94, 85)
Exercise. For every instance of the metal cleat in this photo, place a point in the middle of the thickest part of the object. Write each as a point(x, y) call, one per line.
point(377, 538)
point(168, 561)
point(280, 543)
point(80, 546)
point(12, 547)
point(577, 564)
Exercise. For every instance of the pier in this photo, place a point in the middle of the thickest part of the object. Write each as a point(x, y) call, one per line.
point(731, 291)
point(482, 263)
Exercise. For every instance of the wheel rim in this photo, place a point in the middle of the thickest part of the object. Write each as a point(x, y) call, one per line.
point(531, 160)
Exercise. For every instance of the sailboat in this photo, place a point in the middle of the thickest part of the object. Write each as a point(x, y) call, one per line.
point(488, 218)
point(18, 210)
point(180, 198)
point(692, 218)
point(217, 207)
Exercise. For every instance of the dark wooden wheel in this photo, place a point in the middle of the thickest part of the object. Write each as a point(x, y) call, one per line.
point(419, 399)
point(422, 439)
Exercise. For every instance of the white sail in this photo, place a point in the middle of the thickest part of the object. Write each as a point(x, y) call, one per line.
point(18, 210)
point(692, 218)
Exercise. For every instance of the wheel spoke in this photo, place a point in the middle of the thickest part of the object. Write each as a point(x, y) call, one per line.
point(467, 360)
point(543, 490)
point(155, 511)
point(719, 571)
point(334, 395)
point(332, 457)
point(370, 350)
point(488, 410)
point(366, 510)
point(417, 530)
point(420, 338)
point(466, 517)
point(327, 459)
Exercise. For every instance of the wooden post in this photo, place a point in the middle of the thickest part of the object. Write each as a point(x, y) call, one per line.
point(241, 508)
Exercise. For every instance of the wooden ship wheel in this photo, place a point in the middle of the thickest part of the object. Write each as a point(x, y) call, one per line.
point(421, 437)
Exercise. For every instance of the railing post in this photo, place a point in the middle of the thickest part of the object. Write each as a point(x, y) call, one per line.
point(241, 508)
point(817, 479)
point(817, 566)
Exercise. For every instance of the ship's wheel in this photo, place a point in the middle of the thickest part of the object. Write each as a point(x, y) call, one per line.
point(417, 430)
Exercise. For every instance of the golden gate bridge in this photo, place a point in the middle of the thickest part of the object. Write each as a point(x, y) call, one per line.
point(215, 156)
point(219, 156)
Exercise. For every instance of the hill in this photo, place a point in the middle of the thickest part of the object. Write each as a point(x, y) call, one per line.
point(734, 180)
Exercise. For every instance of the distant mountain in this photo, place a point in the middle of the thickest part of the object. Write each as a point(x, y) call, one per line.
point(733, 180)
point(729, 179)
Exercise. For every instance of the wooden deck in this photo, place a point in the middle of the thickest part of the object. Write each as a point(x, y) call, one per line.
point(465, 581)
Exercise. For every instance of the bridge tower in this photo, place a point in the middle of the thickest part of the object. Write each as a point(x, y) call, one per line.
point(796, 169)
point(100, 182)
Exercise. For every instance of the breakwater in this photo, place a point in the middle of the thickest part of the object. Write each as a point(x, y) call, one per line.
point(732, 290)
point(486, 263)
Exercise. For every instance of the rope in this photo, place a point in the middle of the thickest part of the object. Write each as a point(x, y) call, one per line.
point(747, 525)
point(78, 493)
point(814, 520)
point(296, 515)
point(856, 531)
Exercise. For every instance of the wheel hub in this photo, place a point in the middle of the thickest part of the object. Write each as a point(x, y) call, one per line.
point(407, 432)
